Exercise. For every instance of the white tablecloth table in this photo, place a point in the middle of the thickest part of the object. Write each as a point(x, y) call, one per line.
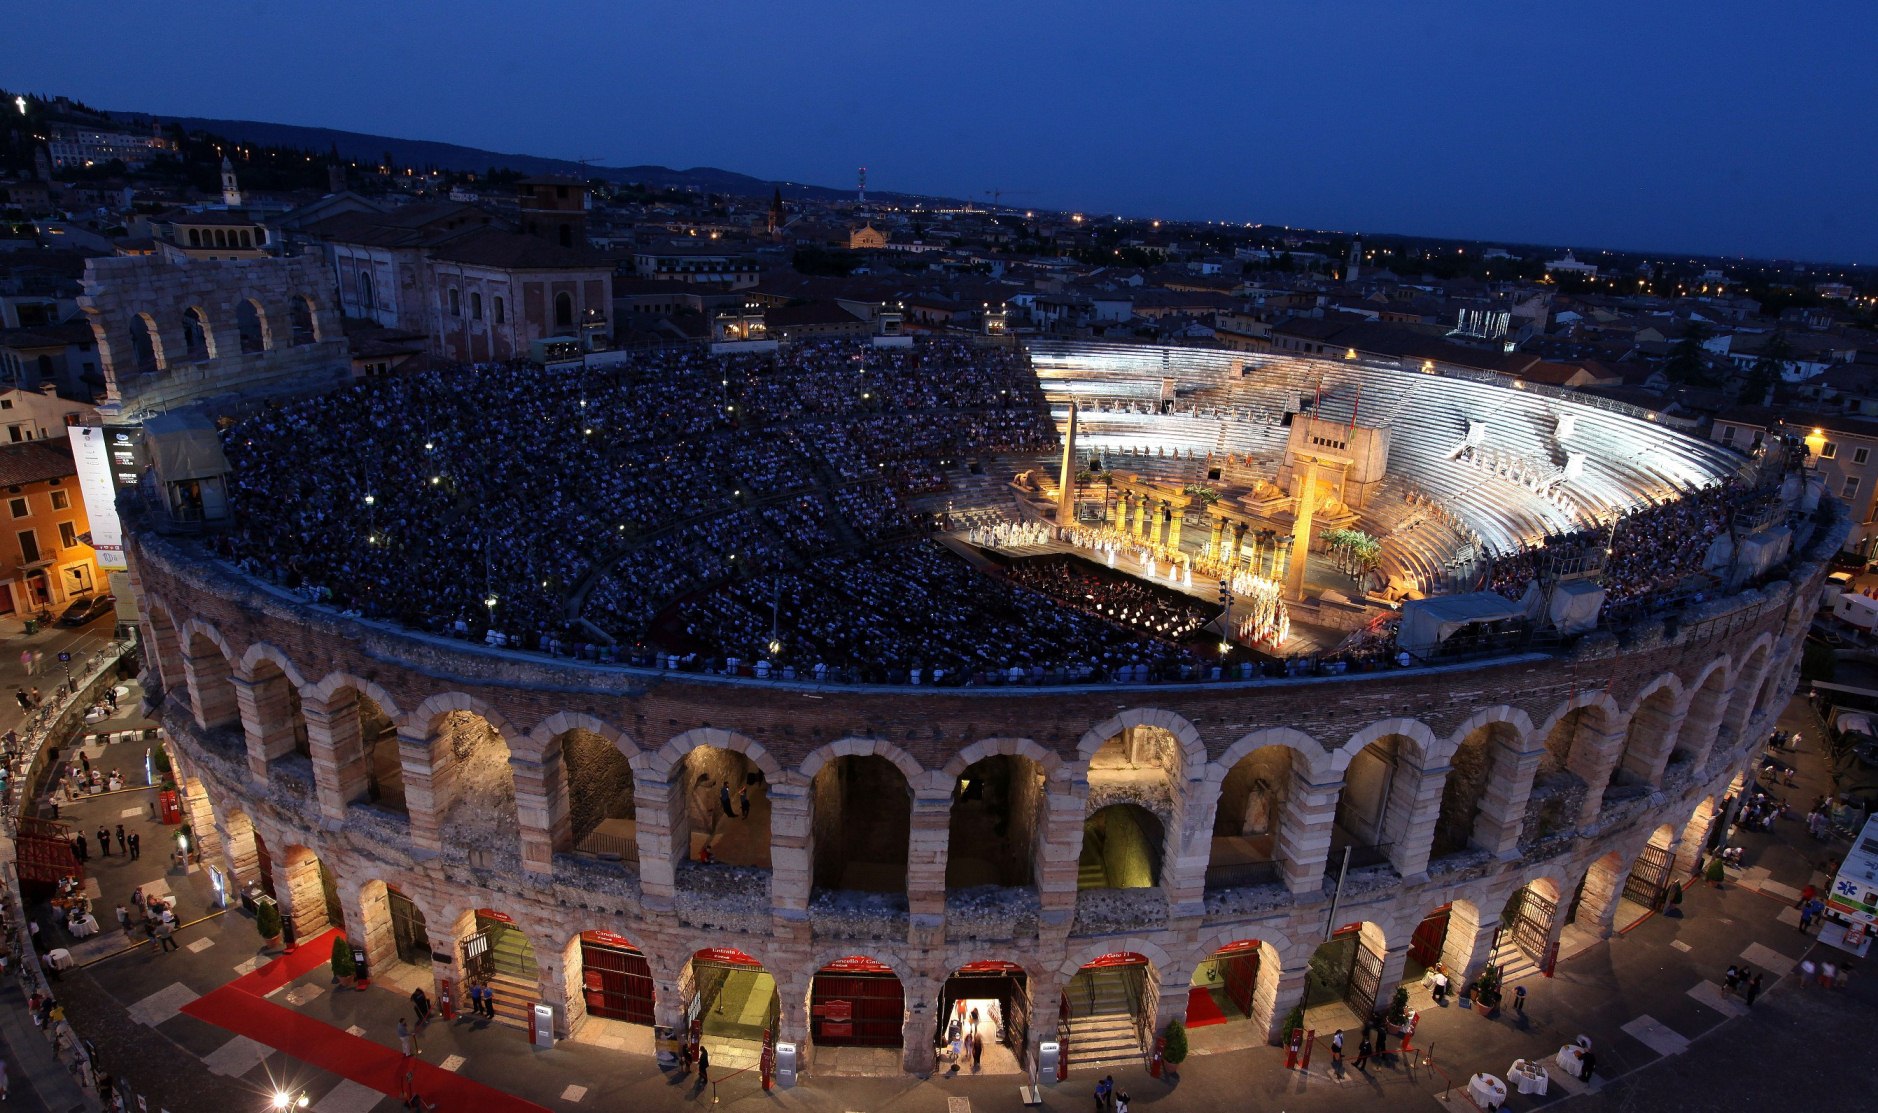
point(1488, 1091)
point(1571, 1060)
point(83, 926)
point(1528, 1078)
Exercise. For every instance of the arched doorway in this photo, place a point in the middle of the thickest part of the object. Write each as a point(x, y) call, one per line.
point(479, 811)
point(861, 816)
point(383, 765)
point(309, 894)
point(731, 1005)
point(615, 979)
point(1106, 1009)
point(992, 836)
point(998, 993)
point(1122, 848)
point(1224, 987)
point(1564, 773)
point(856, 1002)
point(1245, 824)
point(600, 811)
point(707, 776)
point(1527, 924)
point(1647, 740)
point(499, 954)
point(1649, 878)
point(410, 936)
point(1428, 944)
point(1346, 974)
point(1458, 824)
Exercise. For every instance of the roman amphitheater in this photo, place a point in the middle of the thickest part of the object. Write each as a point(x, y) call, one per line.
point(757, 723)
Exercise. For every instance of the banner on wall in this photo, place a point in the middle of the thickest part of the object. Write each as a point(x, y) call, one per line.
point(91, 452)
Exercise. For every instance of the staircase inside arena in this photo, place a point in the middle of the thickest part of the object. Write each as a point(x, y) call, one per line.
point(514, 978)
point(1102, 1020)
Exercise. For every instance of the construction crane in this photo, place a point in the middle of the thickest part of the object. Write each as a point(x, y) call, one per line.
point(998, 194)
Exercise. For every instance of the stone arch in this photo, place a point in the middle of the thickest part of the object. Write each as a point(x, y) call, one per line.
point(209, 672)
point(302, 320)
point(1705, 703)
point(1382, 787)
point(609, 975)
point(199, 341)
point(1124, 846)
point(267, 691)
point(165, 653)
point(146, 345)
point(459, 785)
point(1595, 903)
point(860, 829)
point(252, 327)
point(1186, 736)
point(1568, 784)
point(1650, 728)
point(307, 890)
point(334, 682)
point(678, 797)
point(862, 747)
point(997, 815)
point(1248, 805)
point(1414, 731)
point(672, 754)
point(259, 652)
point(441, 704)
point(1046, 758)
point(1304, 745)
point(1485, 792)
point(585, 768)
point(540, 741)
point(1090, 951)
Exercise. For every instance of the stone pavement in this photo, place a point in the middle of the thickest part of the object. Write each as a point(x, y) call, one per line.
point(1649, 1000)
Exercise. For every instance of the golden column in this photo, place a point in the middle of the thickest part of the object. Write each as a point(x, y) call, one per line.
point(1301, 532)
point(1066, 480)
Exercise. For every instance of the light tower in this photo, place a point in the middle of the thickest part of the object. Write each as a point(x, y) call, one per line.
point(860, 190)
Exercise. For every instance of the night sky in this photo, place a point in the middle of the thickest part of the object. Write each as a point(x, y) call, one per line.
point(1669, 126)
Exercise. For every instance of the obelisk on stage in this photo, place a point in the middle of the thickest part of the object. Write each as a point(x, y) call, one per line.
point(1066, 482)
point(1301, 532)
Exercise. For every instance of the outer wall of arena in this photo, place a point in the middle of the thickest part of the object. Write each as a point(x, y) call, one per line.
point(1457, 788)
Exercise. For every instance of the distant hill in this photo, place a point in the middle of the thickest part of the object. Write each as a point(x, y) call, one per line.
point(358, 147)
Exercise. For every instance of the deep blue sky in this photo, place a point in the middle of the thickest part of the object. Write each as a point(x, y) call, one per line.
point(1652, 124)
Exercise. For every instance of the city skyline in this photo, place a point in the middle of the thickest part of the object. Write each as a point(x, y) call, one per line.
point(1515, 128)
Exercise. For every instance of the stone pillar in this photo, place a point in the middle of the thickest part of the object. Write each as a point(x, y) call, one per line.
point(426, 787)
point(1694, 838)
point(1414, 808)
point(1648, 741)
point(1287, 992)
point(339, 773)
point(1215, 540)
point(1511, 770)
point(1059, 845)
point(792, 856)
point(1144, 514)
point(1173, 530)
point(1183, 875)
point(1701, 726)
point(552, 983)
point(1597, 908)
point(238, 849)
point(1394, 965)
point(917, 1055)
point(668, 1004)
point(266, 721)
point(1469, 944)
point(211, 696)
point(1046, 1000)
point(926, 856)
point(200, 818)
point(1304, 829)
point(368, 922)
point(663, 837)
point(302, 898)
point(537, 784)
point(1594, 759)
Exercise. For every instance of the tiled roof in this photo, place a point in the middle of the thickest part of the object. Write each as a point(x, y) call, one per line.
point(33, 461)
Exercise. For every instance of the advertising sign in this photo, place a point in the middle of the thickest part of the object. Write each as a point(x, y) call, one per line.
point(93, 457)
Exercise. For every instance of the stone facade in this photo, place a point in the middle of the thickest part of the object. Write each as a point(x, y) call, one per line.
point(1655, 731)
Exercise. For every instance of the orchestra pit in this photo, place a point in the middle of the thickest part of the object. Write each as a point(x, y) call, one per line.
point(859, 699)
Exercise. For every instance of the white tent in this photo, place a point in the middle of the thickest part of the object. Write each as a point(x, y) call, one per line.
point(1426, 623)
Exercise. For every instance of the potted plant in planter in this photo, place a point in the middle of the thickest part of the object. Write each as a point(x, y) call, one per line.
point(1487, 991)
point(1175, 1050)
point(1715, 873)
point(267, 923)
point(1398, 1011)
point(1294, 1020)
point(344, 971)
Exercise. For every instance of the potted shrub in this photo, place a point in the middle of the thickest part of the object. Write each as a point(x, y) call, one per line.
point(343, 968)
point(1487, 991)
point(1175, 1052)
point(1294, 1020)
point(267, 923)
point(1398, 1011)
point(1715, 874)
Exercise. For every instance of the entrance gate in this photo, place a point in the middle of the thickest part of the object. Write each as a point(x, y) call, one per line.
point(1649, 877)
point(615, 979)
point(1345, 969)
point(856, 1002)
point(1003, 982)
point(408, 934)
point(478, 960)
point(1529, 916)
point(1431, 935)
point(1365, 981)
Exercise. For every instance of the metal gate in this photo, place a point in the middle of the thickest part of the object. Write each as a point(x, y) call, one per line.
point(408, 933)
point(478, 960)
point(1365, 980)
point(1649, 877)
point(616, 982)
point(1530, 919)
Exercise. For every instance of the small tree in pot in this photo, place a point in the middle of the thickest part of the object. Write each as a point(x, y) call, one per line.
point(267, 923)
point(344, 970)
point(1487, 991)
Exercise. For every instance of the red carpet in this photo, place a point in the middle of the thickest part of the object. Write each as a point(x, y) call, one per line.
point(240, 1007)
point(1202, 1010)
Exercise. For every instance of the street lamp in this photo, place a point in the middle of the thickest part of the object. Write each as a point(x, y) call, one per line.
point(285, 1100)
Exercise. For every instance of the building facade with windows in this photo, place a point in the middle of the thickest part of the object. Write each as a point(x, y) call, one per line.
point(1842, 448)
point(44, 561)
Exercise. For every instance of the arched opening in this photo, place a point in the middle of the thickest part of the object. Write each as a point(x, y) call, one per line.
point(393, 936)
point(1235, 987)
point(997, 806)
point(276, 724)
point(1344, 983)
point(1560, 783)
point(987, 1002)
point(856, 1002)
point(861, 815)
point(251, 326)
point(1699, 836)
point(456, 302)
point(1110, 1003)
point(300, 320)
point(737, 832)
point(1122, 848)
point(1700, 724)
point(612, 977)
point(1589, 917)
point(1245, 824)
point(1648, 881)
point(368, 295)
point(146, 346)
point(1528, 924)
point(308, 894)
point(475, 786)
point(1375, 802)
point(382, 764)
point(241, 851)
point(1646, 746)
point(1744, 702)
point(732, 1005)
point(498, 954)
point(563, 310)
point(197, 341)
point(600, 817)
point(211, 684)
point(1458, 826)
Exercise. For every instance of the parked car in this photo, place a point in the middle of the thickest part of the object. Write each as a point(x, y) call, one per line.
point(84, 610)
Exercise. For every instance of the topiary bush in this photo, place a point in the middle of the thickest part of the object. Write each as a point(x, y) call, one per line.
point(267, 920)
point(343, 966)
point(1176, 1051)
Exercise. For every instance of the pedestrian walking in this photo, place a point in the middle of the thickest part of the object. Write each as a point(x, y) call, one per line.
point(704, 1065)
point(39, 659)
point(1808, 912)
point(743, 802)
point(1121, 1101)
point(123, 918)
point(420, 1001)
point(407, 1043)
point(1828, 975)
point(25, 703)
point(81, 849)
point(121, 844)
point(26, 661)
point(84, 762)
point(1362, 1054)
point(723, 799)
point(104, 842)
point(136, 846)
point(1753, 990)
point(34, 694)
point(1519, 1000)
point(165, 935)
point(978, 1050)
point(1336, 1052)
